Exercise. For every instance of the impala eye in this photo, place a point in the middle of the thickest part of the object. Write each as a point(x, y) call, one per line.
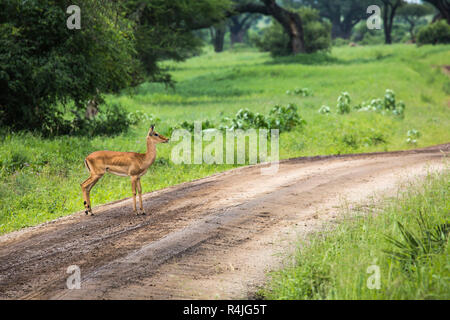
point(156, 134)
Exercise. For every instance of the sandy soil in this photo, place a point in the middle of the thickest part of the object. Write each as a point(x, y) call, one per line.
point(213, 238)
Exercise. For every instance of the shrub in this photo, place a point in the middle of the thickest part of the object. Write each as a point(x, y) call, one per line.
point(325, 110)
point(343, 104)
point(317, 35)
point(412, 135)
point(283, 118)
point(189, 126)
point(435, 33)
point(304, 92)
point(110, 120)
point(412, 246)
point(388, 103)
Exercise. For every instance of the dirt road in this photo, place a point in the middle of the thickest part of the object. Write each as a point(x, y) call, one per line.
point(210, 238)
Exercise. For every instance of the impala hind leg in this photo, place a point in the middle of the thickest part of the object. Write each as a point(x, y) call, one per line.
point(86, 187)
point(85, 194)
point(139, 187)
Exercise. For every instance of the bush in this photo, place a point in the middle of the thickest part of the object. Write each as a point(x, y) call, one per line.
point(317, 35)
point(343, 104)
point(435, 33)
point(324, 110)
point(304, 92)
point(110, 120)
point(189, 126)
point(388, 103)
point(280, 117)
point(283, 118)
point(413, 135)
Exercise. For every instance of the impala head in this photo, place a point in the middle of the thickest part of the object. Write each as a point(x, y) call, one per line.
point(155, 136)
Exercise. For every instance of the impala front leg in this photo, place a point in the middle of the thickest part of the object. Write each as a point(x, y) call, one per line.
point(139, 187)
point(133, 189)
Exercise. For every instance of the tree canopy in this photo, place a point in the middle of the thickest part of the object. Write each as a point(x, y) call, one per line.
point(43, 63)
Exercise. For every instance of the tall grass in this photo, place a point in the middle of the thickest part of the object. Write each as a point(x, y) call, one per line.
point(39, 178)
point(406, 239)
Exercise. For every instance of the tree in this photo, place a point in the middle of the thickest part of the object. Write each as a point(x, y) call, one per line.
point(412, 13)
point(389, 10)
point(44, 65)
point(289, 20)
point(317, 35)
point(218, 36)
point(164, 29)
point(443, 6)
point(239, 25)
point(343, 15)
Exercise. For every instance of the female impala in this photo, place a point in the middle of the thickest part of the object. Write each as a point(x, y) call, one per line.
point(123, 164)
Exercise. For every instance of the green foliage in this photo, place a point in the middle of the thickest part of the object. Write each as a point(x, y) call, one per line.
point(343, 103)
point(43, 64)
point(324, 110)
point(411, 247)
point(435, 33)
point(111, 120)
point(190, 126)
point(317, 35)
point(388, 103)
point(283, 118)
point(164, 30)
point(304, 92)
point(412, 136)
point(413, 14)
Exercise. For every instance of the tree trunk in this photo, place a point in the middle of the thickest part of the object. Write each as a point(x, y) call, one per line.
point(218, 38)
point(237, 36)
point(291, 23)
point(388, 19)
point(336, 31)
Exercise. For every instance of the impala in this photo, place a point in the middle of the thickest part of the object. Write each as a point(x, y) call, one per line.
point(131, 164)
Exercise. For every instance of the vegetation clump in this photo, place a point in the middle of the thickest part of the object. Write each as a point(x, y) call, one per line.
point(435, 33)
point(388, 103)
point(304, 92)
point(343, 103)
point(283, 118)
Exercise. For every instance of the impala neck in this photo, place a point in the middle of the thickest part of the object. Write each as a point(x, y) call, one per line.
point(150, 155)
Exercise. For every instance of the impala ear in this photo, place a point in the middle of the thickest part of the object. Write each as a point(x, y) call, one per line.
point(152, 128)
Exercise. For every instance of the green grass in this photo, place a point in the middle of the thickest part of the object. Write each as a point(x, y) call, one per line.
point(334, 264)
point(39, 178)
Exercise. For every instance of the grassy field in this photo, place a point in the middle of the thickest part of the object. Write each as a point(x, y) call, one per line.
point(343, 263)
point(40, 177)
